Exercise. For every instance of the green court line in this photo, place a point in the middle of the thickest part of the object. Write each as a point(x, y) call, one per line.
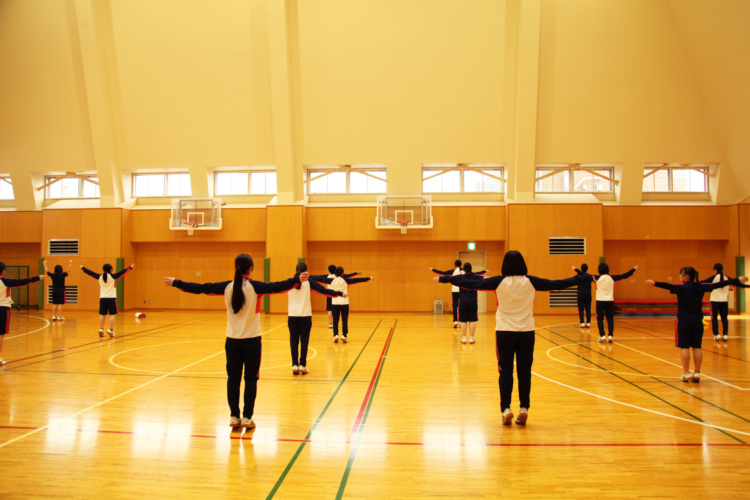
point(301, 447)
point(355, 446)
point(641, 388)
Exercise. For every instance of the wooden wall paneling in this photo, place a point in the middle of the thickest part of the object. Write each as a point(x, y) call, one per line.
point(92, 239)
point(666, 224)
point(569, 220)
point(5, 226)
point(127, 251)
point(112, 232)
point(472, 223)
point(518, 228)
point(637, 222)
point(363, 225)
point(496, 227)
point(692, 222)
point(29, 228)
point(315, 222)
point(613, 223)
point(592, 221)
point(140, 226)
point(50, 219)
point(542, 223)
point(445, 224)
point(159, 226)
point(70, 225)
point(717, 223)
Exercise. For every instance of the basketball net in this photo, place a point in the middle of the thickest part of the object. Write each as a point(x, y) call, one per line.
point(404, 225)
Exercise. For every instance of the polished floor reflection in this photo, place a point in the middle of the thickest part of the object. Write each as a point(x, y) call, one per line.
point(404, 410)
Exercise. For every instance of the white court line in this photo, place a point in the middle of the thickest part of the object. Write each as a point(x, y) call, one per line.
point(33, 331)
point(704, 424)
point(111, 359)
point(703, 375)
point(72, 415)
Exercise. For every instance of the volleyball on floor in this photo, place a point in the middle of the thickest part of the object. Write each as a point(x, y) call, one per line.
point(139, 315)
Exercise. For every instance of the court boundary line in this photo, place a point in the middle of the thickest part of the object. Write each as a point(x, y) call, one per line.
point(33, 331)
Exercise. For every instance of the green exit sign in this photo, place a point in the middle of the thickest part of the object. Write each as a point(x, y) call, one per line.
point(472, 245)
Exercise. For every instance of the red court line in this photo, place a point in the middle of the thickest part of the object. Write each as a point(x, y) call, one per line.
point(369, 388)
point(399, 443)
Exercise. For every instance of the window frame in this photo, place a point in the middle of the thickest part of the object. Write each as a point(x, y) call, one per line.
point(313, 172)
point(250, 172)
point(566, 169)
point(6, 180)
point(166, 185)
point(704, 168)
point(462, 168)
point(80, 189)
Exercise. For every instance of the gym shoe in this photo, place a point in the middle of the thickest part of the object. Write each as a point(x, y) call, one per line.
point(717, 337)
point(507, 416)
point(696, 376)
point(602, 339)
point(455, 324)
point(60, 318)
point(302, 370)
point(247, 423)
point(335, 339)
point(234, 422)
point(726, 337)
point(111, 333)
point(581, 325)
point(330, 325)
point(344, 339)
point(588, 325)
point(471, 340)
point(610, 339)
point(523, 414)
point(54, 319)
point(3, 362)
point(101, 332)
point(295, 369)
point(686, 377)
point(463, 340)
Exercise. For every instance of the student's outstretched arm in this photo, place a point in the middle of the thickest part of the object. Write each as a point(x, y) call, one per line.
point(354, 281)
point(618, 277)
point(443, 273)
point(94, 275)
point(316, 287)
point(119, 274)
point(70, 264)
point(721, 284)
point(469, 283)
point(263, 288)
point(350, 275)
point(321, 278)
point(666, 286)
point(46, 271)
point(12, 282)
point(545, 285)
point(197, 288)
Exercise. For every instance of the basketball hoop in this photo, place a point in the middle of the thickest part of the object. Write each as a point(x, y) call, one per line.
point(404, 224)
point(191, 227)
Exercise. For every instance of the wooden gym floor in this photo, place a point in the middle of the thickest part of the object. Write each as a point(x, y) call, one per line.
point(401, 411)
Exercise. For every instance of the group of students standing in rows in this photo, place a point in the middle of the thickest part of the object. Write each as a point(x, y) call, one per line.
point(514, 331)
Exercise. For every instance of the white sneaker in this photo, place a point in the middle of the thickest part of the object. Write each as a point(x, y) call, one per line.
point(717, 337)
point(463, 340)
point(507, 416)
point(471, 340)
point(247, 423)
point(455, 324)
point(60, 318)
point(588, 325)
point(330, 325)
point(610, 339)
point(3, 362)
point(581, 325)
point(686, 377)
point(234, 422)
point(302, 370)
point(726, 338)
point(602, 339)
point(54, 319)
point(344, 339)
point(335, 339)
point(696, 376)
point(523, 414)
point(295, 369)
point(101, 332)
point(111, 333)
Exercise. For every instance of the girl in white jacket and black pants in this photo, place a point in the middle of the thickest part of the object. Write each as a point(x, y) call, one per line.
point(340, 305)
point(243, 344)
point(300, 318)
point(605, 299)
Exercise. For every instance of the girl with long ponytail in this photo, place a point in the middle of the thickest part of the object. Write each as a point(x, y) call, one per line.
point(690, 316)
point(107, 295)
point(243, 342)
point(719, 303)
